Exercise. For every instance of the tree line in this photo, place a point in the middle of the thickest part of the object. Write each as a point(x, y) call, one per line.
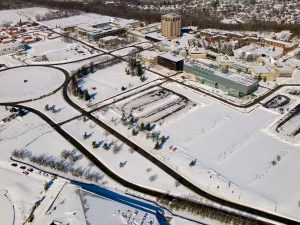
point(190, 17)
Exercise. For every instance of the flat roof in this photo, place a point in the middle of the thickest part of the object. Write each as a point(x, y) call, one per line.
point(172, 57)
point(171, 15)
point(244, 80)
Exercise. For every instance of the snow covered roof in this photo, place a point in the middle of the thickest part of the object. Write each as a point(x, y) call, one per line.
point(236, 78)
point(149, 54)
point(171, 15)
point(171, 57)
point(156, 36)
point(109, 38)
point(261, 69)
point(197, 50)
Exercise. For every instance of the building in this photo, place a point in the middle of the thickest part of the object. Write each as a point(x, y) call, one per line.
point(197, 53)
point(94, 32)
point(233, 84)
point(108, 41)
point(264, 72)
point(286, 46)
point(149, 57)
point(170, 61)
point(171, 25)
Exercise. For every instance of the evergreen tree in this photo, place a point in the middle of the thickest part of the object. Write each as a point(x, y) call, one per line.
point(86, 95)
point(157, 146)
point(139, 69)
point(85, 136)
point(92, 67)
point(142, 126)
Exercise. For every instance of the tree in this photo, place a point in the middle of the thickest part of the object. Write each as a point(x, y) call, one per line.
point(193, 163)
point(106, 146)
point(142, 126)
point(157, 146)
point(139, 69)
point(86, 95)
point(92, 68)
point(94, 144)
point(85, 136)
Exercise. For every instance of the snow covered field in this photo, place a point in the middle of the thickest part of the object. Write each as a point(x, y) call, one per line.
point(108, 82)
point(61, 112)
point(234, 153)
point(27, 83)
point(22, 192)
point(121, 159)
point(15, 15)
point(34, 135)
point(5, 203)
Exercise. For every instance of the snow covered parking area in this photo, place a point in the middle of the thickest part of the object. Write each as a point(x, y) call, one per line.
point(57, 51)
point(27, 83)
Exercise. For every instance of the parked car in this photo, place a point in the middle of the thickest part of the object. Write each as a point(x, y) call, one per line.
point(30, 169)
point(23, 167)
point(14, 164)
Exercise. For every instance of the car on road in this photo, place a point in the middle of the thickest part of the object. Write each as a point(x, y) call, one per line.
point(23, 167)
point(26, 173)
point(30, 170)
point(14, 164)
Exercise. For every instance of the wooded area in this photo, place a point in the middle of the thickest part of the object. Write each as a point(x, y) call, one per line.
point(195, 17)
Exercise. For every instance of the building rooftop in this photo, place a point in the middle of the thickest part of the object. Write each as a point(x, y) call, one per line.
point(261, 69)
point(171, 15)
point(171, 57)
point(149, 54)
point(243, 80)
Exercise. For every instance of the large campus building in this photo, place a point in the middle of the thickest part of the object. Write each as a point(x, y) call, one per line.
point(233, 84)
point(171, 61)
point(171, 25)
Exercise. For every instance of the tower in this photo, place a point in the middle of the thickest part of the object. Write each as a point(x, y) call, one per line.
point(171, 25)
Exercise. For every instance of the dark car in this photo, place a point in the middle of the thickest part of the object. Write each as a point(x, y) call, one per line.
point(14, 164)
point(30, 169)
point(23, 167)
point(25, 172)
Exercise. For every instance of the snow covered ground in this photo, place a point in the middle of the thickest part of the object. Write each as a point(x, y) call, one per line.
point(21, 191)
point(5, 203)
point(74, 66)
point(34, 135)
point(121, 159)
point(108, 82)
point(90, 204)
point(27, 83)
point(234, 154)
point(62, 111)
point(15, 15)
point(57, 51)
